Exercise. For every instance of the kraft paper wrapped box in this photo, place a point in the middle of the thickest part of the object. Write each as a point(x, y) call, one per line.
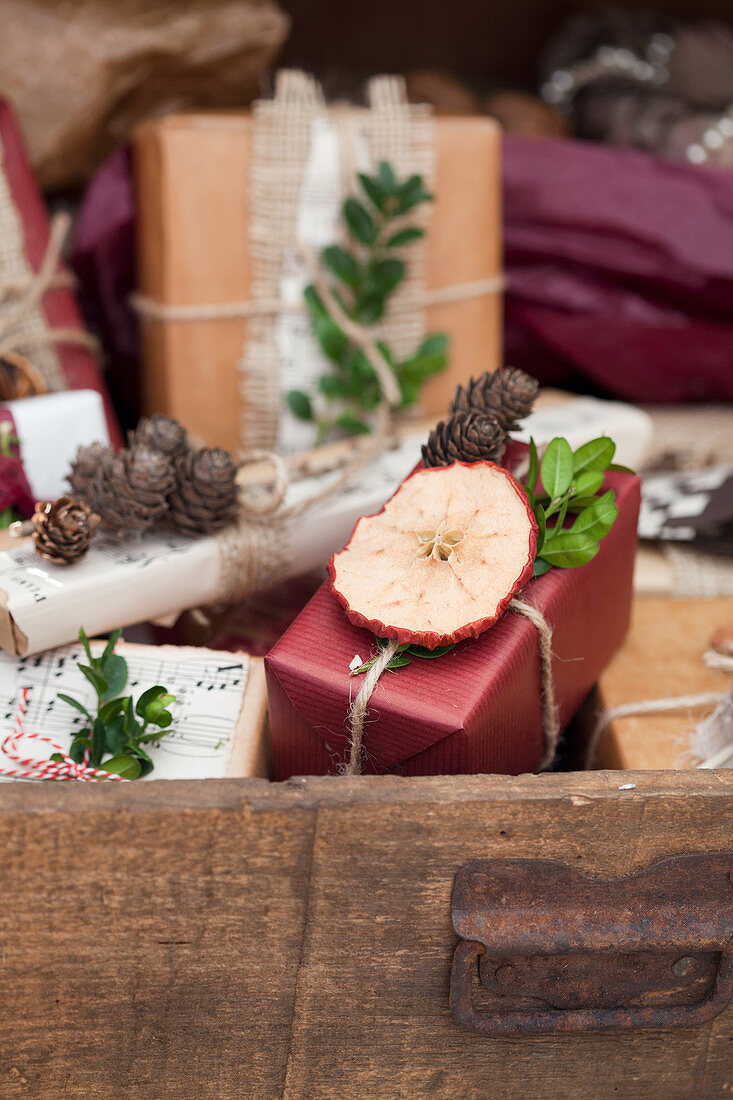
point(24, 239)
point(214, 229)
point(475, 710)
point(661, 658)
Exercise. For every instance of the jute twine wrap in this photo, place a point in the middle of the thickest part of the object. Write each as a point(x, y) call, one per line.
point(550, 723)
point(23, 326)
point(395, 131)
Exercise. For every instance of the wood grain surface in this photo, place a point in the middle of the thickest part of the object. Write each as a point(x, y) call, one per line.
point(245, 939)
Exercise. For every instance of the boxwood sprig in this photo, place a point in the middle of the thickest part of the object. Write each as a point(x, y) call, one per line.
point(571, 485)
point(120, 727)
point(366, 275)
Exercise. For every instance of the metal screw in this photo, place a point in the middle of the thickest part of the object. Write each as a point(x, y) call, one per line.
point(683, 966)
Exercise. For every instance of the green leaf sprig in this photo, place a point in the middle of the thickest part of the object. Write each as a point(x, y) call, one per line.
point(366, 275)
point(571, 484)
point(120, 727)
point(403, 655)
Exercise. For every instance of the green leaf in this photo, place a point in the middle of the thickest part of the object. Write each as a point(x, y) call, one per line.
point(541, 526)
point(383, 276)
point(332, 387)
point(299, 404)
point(352, 424)
point(569, 549)
point(435, 344)
point(132, 726)
point(115, 673)
point(126, 766)
point(111, 709)
point(373, 190)
point(577, 504)
point(599, 518)
point(400, 660)
point(382, 643)
point(421, 367)
point(314, 304)
point(588, 483)
point(95, 678)
point(76, 705)
point(360, 222)
point(386, 177)
point(98, 742)
point(79, 746)
point(332, 340)
point(152, 695)
point(428, 654)
point(146, 766)
point(411, 194)
point(115, 736)
point(369, 309)
point(109, 648)
point(85, 642)
point(139, 751)
point(405, 236)
point(597, 454)
point(534, 466)
point(560, 518)
point(341, 264)
point(619, 469)
point(541, 567)
point(557, 467)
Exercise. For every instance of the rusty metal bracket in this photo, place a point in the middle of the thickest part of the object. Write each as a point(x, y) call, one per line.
point(587, 946)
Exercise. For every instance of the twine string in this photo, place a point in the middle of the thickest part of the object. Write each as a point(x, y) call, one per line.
point(153, 310)
point(29, 293)
point(30, 767)
point(550, 722)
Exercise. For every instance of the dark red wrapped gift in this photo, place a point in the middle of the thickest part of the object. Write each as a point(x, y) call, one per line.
point(475, 710)
point(24, 238)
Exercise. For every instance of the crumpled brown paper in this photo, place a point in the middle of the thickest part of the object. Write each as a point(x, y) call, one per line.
point(81, 74)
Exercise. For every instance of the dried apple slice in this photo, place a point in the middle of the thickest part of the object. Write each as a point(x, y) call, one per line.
point(443, 558)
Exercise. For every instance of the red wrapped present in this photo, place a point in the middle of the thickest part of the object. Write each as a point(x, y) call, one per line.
point(25, 323)
point(477, 709)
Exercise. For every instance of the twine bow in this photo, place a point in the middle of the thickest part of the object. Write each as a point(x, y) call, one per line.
point(29, 767)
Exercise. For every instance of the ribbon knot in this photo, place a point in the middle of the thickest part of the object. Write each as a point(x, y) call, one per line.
point(30, 767)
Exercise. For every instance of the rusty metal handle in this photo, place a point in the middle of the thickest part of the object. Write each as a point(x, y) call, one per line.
point(545, 1021)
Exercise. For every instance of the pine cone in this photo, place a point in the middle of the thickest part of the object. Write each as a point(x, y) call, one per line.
point(206, 493)
point(135, 489)
point(509, 394)
point(63, 529)
point(161, 433)
point(465, 437)
point(88, 471)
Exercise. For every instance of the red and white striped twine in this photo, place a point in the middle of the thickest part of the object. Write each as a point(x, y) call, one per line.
point(31, 768)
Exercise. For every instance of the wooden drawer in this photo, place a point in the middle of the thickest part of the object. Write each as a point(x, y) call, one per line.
point(246, 939)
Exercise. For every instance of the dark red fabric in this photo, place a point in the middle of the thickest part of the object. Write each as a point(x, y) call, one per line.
point(15, 492)
point(78, 364)
point(475, 710)
point(619, 271)
point(103, 260)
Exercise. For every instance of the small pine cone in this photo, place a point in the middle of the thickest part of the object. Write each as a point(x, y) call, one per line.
point(133, 492)
point(509, 394)
point(63, 529)
point(88, 471)
point(161, 433)
point(206, 493)
point(465, 437)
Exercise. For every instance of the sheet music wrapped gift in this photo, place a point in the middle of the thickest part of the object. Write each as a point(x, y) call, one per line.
point(477, 709)
point(223, 201)
point(219, 728)
point(155, 577)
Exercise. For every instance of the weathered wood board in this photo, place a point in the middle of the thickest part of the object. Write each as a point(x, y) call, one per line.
point(245, 939)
